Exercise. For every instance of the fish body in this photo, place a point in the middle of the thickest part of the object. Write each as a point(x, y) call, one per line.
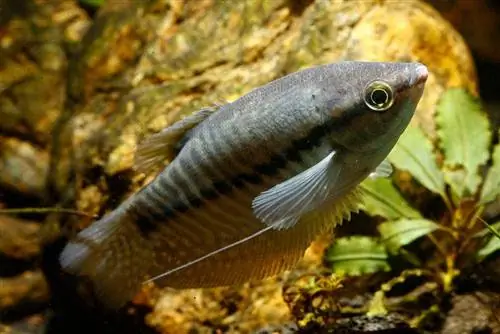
point(250, 183)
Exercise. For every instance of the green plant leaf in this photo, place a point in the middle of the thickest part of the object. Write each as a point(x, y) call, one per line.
point(357, 255)
point(455, 178)
point(464, 134)
point(382, 199)
point(413, 153)
point(398, 233)
point(493, 244)
point(491, 186)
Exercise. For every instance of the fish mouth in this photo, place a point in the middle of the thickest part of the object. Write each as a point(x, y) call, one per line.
point(420, 75)
point(415, 88)
point(418, 78)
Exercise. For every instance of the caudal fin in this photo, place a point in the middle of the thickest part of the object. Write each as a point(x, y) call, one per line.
point(111, 254)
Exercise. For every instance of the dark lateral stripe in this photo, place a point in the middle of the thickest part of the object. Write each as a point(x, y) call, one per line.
point(179, 186)
point(277, 162)
point(222, 187)
point(241, 179)
point(268, 169)
point(195, 202)
point(153, 204)
point(152, 212)
point(209, 193)
point(146, 226)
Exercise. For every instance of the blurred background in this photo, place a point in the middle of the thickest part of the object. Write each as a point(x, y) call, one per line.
point(82, 82)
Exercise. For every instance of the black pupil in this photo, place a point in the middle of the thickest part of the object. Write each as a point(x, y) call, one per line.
point(379, 97)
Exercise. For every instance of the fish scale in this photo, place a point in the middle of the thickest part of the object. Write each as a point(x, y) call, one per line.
point(251, 183)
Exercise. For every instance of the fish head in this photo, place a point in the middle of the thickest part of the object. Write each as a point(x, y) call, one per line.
point(374, 103)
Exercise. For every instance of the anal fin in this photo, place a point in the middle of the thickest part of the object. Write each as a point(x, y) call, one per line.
point(264, 252)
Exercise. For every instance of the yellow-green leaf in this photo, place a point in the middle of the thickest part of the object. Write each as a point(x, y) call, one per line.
point(464, 134)
point(382, 199)
point(455, 178)
point(493, 245)
point(414, 154)
point(357, 255)
point(399, 233)
point(93, 3)
point(491, 186)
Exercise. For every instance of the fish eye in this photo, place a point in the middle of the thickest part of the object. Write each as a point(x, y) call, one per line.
point(379, 96)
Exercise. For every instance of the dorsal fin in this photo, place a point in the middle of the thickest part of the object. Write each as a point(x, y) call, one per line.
point(162, 146)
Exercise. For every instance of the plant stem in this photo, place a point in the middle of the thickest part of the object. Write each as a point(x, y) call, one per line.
point(438, 245)
point(475, 217)
point(447, 202)
point(491, 228)
point(47, 210)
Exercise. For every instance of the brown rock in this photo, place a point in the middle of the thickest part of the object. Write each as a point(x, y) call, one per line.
point(478, 21)
point(30, 325)
point(23, 166)
point(34, 38)
point(19, 239)
point(33, 66)
point(478, 313)
point(28, 288)
point(400, 31)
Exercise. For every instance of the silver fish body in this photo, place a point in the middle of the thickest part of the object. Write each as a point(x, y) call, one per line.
point(251, 183)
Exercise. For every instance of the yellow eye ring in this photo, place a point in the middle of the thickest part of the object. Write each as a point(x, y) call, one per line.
point(379, 96)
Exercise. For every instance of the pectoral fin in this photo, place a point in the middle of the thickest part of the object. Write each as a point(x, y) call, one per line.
point(162, 146)
point(284, 204)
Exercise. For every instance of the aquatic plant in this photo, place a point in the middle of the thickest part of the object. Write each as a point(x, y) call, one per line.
point(432, 227)
point(92, 3)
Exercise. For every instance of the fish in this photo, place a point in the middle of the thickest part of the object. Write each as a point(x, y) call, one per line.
point(244, 187)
